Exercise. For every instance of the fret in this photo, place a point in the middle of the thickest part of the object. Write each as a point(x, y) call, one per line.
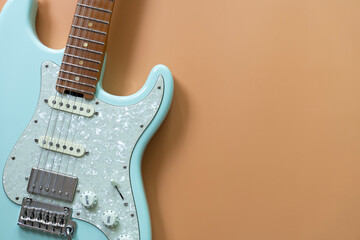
point(78, 66)
point(75, 89)
point(86, 39)
point(89, 29)
point(77, 82)
point(92, 19)
point(84, 49)
point(77, 74)
point(95, 8)
point(83, 58)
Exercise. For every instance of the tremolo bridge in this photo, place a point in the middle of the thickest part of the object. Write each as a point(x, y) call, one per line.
point(47, 217)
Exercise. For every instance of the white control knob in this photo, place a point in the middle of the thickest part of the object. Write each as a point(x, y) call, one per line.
point(125, 237)
point(110, 218)
point(88, 199)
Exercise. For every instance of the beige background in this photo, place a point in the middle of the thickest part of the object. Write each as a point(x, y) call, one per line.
point(262, 140)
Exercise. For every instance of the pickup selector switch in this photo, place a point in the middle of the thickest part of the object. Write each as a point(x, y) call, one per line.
point(88, 199)
point(110, 218)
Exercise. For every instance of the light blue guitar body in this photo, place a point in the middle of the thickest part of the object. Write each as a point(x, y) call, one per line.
point(23, 59)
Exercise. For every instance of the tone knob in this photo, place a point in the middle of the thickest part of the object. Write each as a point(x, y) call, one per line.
point(125, 237)
point(110, 218)
point(88, 199)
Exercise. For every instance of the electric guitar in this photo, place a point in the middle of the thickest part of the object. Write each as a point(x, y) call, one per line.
point(70, 153)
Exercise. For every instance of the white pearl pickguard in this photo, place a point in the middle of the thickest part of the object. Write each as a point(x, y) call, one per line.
point(109, 137)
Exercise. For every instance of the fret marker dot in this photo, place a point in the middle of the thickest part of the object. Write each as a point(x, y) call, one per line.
point(85, 44)
point(81, 62)
point(77, 78)
point(90, 24)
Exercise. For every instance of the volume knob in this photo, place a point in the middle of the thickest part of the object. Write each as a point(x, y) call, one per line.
point(88, 199)
point(110, 218)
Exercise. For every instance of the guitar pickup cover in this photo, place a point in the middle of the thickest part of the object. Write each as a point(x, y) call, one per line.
point(51, 184)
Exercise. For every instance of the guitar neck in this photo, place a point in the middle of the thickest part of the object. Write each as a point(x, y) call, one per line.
point(85, 49)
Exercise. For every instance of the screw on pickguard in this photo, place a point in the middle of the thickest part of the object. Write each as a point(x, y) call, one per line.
point(116, 186)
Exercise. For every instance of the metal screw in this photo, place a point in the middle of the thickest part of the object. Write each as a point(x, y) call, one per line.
point(26, 178)
point(159, 87)
point(13, 158)
point(36, 140)
point(97, 113)
point(45, 100)
point(36, 121)
point(141, 126)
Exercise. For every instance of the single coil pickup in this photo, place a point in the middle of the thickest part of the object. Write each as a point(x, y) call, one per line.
point(52, 184)
point(61, 146)
point(70, 106)
point(45, 217)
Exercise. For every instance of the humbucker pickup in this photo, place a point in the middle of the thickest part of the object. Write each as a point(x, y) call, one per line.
point(52, 184)
point(66, 105)
point(61, 146)
point(46, 218)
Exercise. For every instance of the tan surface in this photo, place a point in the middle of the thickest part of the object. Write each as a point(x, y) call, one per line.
point(262, 140)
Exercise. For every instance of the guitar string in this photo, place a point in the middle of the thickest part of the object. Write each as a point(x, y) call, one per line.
point(80, 124)
point(74, 42)
point(80, 128)
point(46, 134)
point(98, 15)
point(86, 36)
point(81, 21)
point(56, 155)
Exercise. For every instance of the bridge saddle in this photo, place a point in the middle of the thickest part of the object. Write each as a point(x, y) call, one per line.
point(46, 218)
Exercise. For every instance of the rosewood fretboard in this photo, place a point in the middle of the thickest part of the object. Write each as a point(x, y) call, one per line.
point(85, 50)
